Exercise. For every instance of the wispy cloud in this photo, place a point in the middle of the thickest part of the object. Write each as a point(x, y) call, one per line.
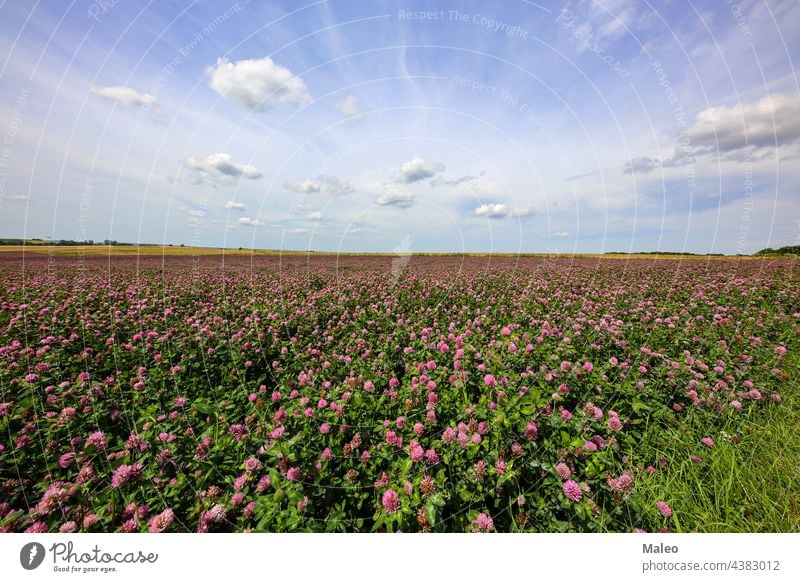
point(524, 212)
point(123, 95)
point(348, 107)
point(678, 140)
point(453, 181)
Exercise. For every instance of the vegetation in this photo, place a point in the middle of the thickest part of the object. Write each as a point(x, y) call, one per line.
point(783, 251)
point(353, 394)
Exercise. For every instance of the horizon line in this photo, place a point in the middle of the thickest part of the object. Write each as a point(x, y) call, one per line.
point(48, 243)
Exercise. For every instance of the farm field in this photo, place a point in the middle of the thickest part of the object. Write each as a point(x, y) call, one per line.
point(416, 394)
point(135, 250)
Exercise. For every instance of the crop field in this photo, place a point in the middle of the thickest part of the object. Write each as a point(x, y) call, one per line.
point(415, 394)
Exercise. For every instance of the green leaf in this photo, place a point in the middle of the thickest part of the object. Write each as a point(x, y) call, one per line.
point(204, 407)
point(430, 513)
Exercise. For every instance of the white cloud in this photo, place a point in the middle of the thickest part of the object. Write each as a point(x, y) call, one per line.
point(16, 197)
point(247, 221)
point(492, 210)
point(442, 181)
point(641, 165)
point(298, 209)
point(230, 205)
point(756, 128)
point(348, 107)
point(394, 197)
point(305, 187)
point(296, 231)
point(220, 167)
point(774, 119)
point(498, 210)
point(561, 234)
point(523, 212)
point(333, 186)
point(257, 83)
point(124, 95)
point(336, 186)
point(611, 18)
point(417, 169)
point(595, 24)
point(315, 216)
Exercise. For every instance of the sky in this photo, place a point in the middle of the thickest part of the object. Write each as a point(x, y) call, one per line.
point(335, 125)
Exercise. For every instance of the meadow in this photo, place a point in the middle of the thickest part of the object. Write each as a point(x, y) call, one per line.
point(249, 392)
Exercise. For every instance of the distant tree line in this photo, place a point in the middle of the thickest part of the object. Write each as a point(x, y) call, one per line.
point(669, 253)
point(64, 242)
point(790, 250)
point(787, 250)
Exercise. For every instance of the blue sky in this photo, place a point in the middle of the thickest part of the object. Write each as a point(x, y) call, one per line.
point(422, 126)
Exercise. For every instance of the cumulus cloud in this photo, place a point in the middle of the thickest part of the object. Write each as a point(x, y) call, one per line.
point(303, 187)
point(770, 121)
point(336, 186)
point(348, 107)
point(498, 210)
point(220, 168)
point(396, 198)
point(257, 83)
point(492, 210)
point(417, 169)
point(315, 216)
point(123, 95)
point(247, 221)
point(756, 128)
point(561, 234)
point(230, 205)
point(641, 165)
point(333, 186)
point(298, 230)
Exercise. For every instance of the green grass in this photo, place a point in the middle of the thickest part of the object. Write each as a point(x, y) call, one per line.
point(749, 481)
